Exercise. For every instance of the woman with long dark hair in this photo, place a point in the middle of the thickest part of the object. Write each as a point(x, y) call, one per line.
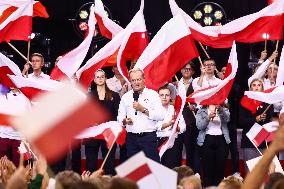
point(110, 100)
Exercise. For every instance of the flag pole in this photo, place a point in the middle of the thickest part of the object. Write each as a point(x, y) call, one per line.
point(17, 51)
point(200, 61)
point(104, 162)
point(276, 48)
point(265, 44)
point(202, 47)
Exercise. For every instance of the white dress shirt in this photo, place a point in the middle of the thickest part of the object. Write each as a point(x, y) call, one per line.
point(20, 104)
point(206, 82)
point(168, 117)
point(41, 76)
point(114, 84)
point(214, 126)
point(141, 123)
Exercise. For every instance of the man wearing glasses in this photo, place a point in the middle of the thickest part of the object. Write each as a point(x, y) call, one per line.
point(207, 77)
point(139, 110)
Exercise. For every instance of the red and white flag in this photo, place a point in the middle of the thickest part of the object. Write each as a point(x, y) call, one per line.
point(280, 73)
point(32, 88)
point(65, 112)
point(257, 134)
point(71, 62)
point(147, 173)
point(260, 72)
point(110, 131)
point(167, 53)
point(7, 66)
point(39, 10)
point(217, 94)
point(107, 27)
point(179, 104)
point(23, 150)
point(134, 41)
point(270, 96)
point(271, 127)
point(15, 25)
point(269, 2)
point(247, 29)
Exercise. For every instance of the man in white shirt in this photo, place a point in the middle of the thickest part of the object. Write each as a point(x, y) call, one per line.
point(37, 64)
point(139, 110)
point(207, 77)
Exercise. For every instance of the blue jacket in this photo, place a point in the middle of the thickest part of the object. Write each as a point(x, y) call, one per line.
point(202, 121)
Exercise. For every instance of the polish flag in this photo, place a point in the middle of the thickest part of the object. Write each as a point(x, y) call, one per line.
point(107, 27)
point(147, 173)
point(260, 72)
point(32, 88)
point(15, 25)
point(280, 73)
point(257, 134)
point(7, 66)
point(248, 29)
point(39, 10)
point(134, 41)
point(23, 150)
point(65, 112)
point(168, 52)
point(217, 94)
point(126, 45)
point(270, 2)
point(270, 96)
point(110, 131)
point(271, 127)
point(179, 104)
point(71, 62)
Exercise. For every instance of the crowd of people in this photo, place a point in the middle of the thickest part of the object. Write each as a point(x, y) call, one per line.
point(205, 133)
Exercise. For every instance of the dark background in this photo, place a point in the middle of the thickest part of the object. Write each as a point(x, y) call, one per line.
point(59, 29)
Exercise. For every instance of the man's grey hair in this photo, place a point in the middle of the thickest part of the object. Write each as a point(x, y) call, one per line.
point(136, 70)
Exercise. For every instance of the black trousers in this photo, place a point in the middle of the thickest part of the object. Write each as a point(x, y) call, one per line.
point(122, 153)
point(214, 152)
point(233, 147)
point(146, 142)
point(92, 149)
point(192, 150)
point(173, 156)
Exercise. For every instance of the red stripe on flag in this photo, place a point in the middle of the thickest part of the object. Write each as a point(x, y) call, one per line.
point(139, 173)
point(4, 70)
point(5, 119)
point(164, 143)
point(31, 92)
point(39, 10)
point(260, 137)
point(169, 62)
point(19, 29)
point(6, 13)
point(104, 31)
point(270, 136)
point(57, 74)
point(109, 137)
point(55, 142)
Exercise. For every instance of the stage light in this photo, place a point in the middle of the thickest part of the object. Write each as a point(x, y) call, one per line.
point(265, 36)
point(207, 21)
point(218, 15)
point(83, 14)
point(197, 14)
point(207, 9)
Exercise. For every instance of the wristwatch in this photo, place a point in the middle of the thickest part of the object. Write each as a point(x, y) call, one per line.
point(145, 110)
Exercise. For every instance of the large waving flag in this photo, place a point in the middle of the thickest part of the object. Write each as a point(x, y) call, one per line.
point(15, 24)
point(107, 27)
point(270, 96)
point(66, 106)
point(248, 29)
point(179, 104)
point(32, 88)
point(71, 62)
point(257, 134)
point(280, 73)
point(7, 66)
point(168, 52)
point(217, 94)
point(134, 41)
point(260, 72)
point(126, 45)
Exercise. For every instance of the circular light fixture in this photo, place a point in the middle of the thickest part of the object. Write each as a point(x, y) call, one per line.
point(209, 14)
point(197, 14)
point(83, 14)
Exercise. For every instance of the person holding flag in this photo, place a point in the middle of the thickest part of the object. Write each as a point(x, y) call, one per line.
point(173, 156)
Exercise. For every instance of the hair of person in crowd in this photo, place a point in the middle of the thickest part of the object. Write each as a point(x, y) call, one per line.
point(273, 179)
point(122, 183)
point(209, 59)
point(136, 70)
point(191, 182)
point(84, 184)
point(230, 182)
point(38, 55)
point(65, 179)
point(183, 171)
point(256, 80)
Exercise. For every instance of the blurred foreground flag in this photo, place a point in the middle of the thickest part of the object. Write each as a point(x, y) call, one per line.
point(147, 173)
point(58, 117)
